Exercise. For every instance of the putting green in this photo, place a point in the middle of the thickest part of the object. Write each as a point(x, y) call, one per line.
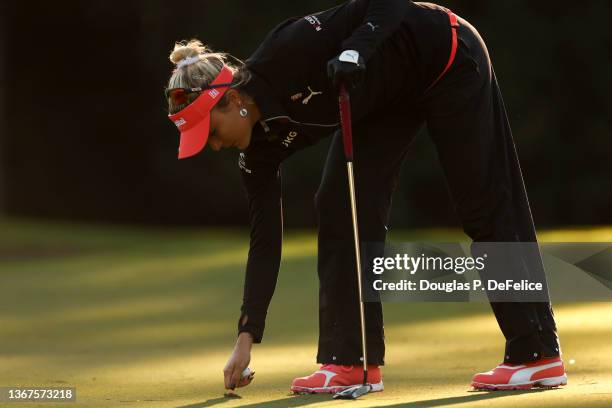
point(146, 317)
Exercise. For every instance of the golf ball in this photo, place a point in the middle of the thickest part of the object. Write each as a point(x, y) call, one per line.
point(246, 373)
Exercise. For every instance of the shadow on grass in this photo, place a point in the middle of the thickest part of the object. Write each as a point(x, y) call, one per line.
point(208, 403)
point(303, 400)
point(290, 401)
point(474, 396)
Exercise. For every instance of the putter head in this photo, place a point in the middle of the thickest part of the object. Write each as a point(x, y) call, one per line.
point(353, 392)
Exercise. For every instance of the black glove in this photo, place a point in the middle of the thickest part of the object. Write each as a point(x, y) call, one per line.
point(347, 68)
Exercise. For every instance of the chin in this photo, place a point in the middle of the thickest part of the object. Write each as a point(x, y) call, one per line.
point(245, 145)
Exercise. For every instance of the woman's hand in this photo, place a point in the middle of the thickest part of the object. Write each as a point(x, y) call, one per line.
point(238, 361)
point(347, 68)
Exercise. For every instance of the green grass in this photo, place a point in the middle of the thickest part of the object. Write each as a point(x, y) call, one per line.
point(147, 316)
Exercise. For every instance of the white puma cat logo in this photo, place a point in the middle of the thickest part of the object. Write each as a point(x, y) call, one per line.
point(312, 93)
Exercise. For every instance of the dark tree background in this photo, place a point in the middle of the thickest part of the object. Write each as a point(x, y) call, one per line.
point(84, 133)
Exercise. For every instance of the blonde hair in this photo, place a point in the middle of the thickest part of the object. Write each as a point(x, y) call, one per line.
point(202, 72)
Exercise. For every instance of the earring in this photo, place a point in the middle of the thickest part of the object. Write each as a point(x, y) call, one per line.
point(244, 112)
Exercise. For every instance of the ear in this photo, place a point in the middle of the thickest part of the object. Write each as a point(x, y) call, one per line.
point(234, 97)
point(230, 99)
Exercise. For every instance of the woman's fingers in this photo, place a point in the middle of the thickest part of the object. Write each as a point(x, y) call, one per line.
point(235, 377)
point(228, 371)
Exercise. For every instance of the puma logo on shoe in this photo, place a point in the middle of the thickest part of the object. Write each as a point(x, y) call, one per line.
point(544, 373)
point(332, 378)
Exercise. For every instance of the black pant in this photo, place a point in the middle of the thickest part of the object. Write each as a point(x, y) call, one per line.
point(467, 121)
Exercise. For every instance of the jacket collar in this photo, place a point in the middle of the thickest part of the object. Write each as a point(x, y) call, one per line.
point(266, 99)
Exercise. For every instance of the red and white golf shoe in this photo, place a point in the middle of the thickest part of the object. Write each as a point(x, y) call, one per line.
point(544, 373)
point(331, 378)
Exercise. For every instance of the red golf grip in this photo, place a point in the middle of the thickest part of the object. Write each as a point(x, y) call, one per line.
point(345, 121)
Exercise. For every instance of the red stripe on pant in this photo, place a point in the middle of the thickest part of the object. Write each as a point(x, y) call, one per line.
point(454, 24)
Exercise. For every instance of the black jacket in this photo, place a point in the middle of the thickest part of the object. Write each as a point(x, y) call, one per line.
point(405, 46)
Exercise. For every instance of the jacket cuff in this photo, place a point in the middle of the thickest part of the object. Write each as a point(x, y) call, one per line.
point(255, 323)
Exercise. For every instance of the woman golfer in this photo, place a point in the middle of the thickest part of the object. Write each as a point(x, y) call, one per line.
point(406, 64)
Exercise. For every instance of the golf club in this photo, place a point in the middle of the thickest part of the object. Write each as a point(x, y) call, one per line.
point(356, 391)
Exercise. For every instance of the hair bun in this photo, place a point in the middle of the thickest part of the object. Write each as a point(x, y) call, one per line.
point(184, 49)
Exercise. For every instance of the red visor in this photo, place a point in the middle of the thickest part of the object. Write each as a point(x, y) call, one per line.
point(194, 121)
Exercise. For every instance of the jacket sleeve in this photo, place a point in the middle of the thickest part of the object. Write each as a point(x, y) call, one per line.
point(382, 18)
point(262, 183)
